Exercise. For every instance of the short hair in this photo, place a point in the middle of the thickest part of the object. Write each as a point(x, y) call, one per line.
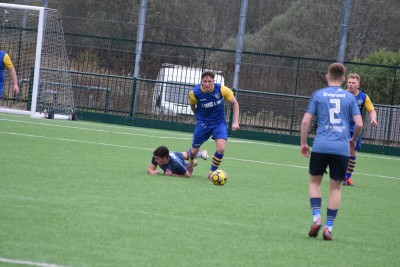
point(208, 73)
point(354, 76)
point(161, 151)
point(336, 71)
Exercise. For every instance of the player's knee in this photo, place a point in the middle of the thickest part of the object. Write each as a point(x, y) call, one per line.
point(221, 150)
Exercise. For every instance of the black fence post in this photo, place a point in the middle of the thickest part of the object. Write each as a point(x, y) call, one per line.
point(294, 106)
point(132, 111)
point(392, 104)
point(108, 93)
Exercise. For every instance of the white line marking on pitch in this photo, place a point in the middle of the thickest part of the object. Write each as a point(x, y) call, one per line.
point(76, 141)
point(151, 149)
point(99, 130)
point(175, 134)
point(30, 263)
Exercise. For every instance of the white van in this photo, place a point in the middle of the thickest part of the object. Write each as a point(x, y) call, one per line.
point(171, 93)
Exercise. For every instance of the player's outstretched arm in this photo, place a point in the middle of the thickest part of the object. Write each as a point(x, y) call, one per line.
point(152, 169)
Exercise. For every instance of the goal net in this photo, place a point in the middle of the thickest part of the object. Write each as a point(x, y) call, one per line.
point(33, 37)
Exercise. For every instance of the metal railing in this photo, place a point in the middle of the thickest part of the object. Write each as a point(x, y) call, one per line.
point(259, 111)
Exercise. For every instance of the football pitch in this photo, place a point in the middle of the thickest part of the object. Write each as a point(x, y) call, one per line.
point(76, 193)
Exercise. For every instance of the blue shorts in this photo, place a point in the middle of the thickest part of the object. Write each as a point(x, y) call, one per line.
point(358, 144)
point(337, 165)
point(203, 132)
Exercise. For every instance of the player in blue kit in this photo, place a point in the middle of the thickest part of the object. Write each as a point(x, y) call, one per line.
point(334, 108)
point(207, 103)
point(364, 102)
point(172, 163)
point(6, 63)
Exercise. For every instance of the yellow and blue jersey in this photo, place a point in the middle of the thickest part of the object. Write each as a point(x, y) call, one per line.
point(210, 105)
point(363, 102)
point(5, 62)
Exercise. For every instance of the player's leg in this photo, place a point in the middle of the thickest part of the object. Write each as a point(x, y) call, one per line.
point(218, 155)
point(1, 89)
point(201, 154)
point(333, 207)
point(352, 163)
point(350, 168)
point(317, 167)
point(201, 134)
point(337, 170)
point(181, 159)
point(315, 203)
point(220, 135)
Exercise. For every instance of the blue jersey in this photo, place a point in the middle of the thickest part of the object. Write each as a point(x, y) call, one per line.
point(176, 163)
point(210, 105)
point(334, 108)
point(2, 67)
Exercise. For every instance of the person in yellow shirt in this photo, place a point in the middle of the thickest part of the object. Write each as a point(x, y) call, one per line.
point(364, 102)
point(207, 101)
point(6, 63)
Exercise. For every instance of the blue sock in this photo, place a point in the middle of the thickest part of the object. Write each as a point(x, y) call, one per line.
point(330, 218)
point(316, 207)
point(216, 161)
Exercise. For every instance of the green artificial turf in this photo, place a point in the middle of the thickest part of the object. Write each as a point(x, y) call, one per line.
point(75, 193)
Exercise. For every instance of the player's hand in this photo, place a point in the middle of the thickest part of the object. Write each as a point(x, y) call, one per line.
point(305, 151)
point(235, 126)
point(155, 172)
point(374, 122)
point(15, 89)
point(352, 145)
point(168, 172)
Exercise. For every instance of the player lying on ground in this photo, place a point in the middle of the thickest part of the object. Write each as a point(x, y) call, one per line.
point(173, 163)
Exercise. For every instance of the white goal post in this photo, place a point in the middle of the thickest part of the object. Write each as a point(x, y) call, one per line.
point(34, 39)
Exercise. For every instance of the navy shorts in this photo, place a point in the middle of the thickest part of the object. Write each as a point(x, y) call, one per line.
point(337, 165)
point(203, 132)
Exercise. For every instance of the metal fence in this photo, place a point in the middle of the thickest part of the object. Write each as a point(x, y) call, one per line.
point(265, 112)
point(273, 90)
point(263, 72)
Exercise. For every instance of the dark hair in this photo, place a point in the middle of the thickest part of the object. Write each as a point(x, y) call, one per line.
point(336, 71)
point(208, 73)
point(161, 151)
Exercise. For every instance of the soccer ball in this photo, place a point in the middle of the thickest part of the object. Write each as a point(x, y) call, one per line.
point(219, 177)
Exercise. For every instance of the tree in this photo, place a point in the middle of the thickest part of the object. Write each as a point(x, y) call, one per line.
point(305, 29)
point(311, 28)
point(380, 76)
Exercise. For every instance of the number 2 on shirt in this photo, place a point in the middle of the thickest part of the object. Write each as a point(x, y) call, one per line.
point(335, 109)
